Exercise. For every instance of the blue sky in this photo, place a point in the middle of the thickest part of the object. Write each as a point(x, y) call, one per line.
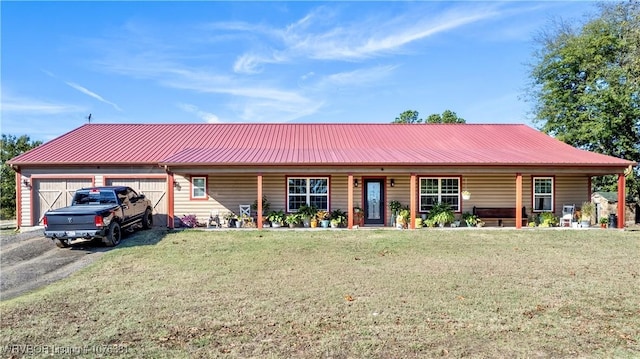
point(305, 62)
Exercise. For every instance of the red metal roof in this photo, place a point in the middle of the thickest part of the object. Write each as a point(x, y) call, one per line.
point(296, 144)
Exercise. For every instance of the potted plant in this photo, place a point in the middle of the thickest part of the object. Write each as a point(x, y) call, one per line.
point(429, 222)
point(587, 212)
point(306, 213)
point(548, 219)
point(358, 216)
point(276, 218)
point(402, 220)
point(442, 214)
point(470, 219)
point(394, 206)
point(338, 218)
point(265, 205)
point(444, 217)
point(466, 195)
point(292, 219)
point(324, 218)
point(603, 222)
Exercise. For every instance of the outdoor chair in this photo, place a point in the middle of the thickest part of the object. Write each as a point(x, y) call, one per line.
point(245, 213)
point(568, 212)
point(214, 219)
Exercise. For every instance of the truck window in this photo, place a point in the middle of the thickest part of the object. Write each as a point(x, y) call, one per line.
point(89, 197)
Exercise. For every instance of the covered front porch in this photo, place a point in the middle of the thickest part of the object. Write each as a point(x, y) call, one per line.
point(201, 191)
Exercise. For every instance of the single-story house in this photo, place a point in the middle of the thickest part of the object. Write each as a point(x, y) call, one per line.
point(200, 168)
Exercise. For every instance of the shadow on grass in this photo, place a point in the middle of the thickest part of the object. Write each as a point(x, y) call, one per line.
point(129, 239)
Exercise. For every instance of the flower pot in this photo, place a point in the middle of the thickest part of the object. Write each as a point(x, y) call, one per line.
point(313, 224)
point(238, 224)
point(585, 224)
point(324, 223)
point(276, 224)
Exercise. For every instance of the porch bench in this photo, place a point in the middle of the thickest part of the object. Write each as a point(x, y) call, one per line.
point(499, 214)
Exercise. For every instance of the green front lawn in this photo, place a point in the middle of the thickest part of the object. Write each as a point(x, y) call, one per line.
point(347, 294)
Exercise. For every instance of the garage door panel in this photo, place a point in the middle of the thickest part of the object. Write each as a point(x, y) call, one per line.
point(52, 193)
point(153, 188)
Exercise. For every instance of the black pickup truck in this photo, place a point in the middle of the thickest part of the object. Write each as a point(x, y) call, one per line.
point(98, 213)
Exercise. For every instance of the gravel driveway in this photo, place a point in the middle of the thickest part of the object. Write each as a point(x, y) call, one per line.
point(29, 261)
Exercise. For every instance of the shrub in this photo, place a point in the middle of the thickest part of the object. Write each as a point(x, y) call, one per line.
point(189, 220)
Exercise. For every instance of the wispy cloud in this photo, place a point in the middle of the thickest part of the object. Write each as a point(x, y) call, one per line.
point(315, 36)
point(206, 116)
point(90, 93)
point(21, 105)
point(359, 77)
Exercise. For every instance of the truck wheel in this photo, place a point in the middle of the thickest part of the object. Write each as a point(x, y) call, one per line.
point(113, 235)
point(60, 243)
point(147, 219)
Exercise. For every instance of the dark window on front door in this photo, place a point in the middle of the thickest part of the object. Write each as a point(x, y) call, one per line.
point(374, 201)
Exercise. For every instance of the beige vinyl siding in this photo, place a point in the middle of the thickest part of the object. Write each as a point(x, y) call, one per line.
point(570, 190)
point(225, 193)
point(340, 191)
point(25, 193)
point(400, 192)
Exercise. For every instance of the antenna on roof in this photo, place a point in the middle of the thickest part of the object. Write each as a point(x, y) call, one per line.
point(89, 118)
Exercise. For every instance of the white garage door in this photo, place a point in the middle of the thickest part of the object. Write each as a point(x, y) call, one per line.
point(52, 193)
point(153, 188)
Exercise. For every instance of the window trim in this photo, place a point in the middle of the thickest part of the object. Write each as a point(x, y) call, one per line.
point(192, 188)
point(308, 178)
point(440, 178)
point(533, 193)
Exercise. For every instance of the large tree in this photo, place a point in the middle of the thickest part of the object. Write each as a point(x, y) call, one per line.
point(585, 86)
point(11, 146)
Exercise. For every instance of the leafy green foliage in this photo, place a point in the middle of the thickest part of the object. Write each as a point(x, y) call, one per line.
point(411, 116)
point(447, 116)
point(408, 116)
point(586, 85)
point(12, 146)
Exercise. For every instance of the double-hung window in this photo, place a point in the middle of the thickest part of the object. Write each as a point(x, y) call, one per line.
point(199, 187)
point(313, 191)
point(434, 190)
point(542, 194)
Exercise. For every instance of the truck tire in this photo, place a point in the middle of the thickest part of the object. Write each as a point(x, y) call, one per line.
point(147, 219)
point(60, 243)
point(113, 235)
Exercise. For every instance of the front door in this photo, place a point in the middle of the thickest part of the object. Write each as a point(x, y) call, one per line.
point(374, 201)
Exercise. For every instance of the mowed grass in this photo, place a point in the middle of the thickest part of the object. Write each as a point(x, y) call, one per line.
point(347, 294)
